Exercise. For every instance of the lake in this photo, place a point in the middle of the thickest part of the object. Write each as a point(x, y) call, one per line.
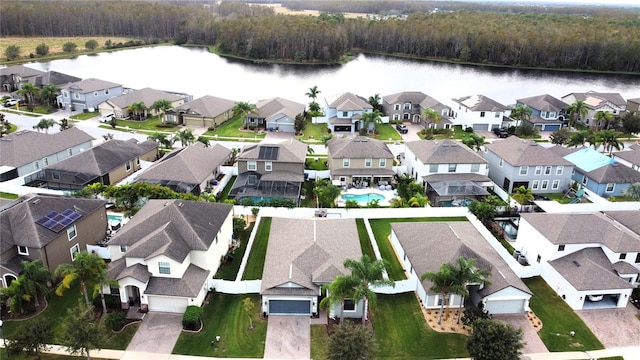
point(197, 72)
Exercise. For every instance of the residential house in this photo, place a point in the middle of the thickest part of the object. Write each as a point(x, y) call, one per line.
point(446, 243)
point(47, 228)
point(633, 105)
point(276, 114)
point(359, 161)
point(547, 112)
point(612, 103)
point(302, 256)
point(119, 105)
point(107, 163)
point(268, 171)
point(590, 260)
point(12, 77)
point(448, 170)
point(190, 169)
point(163, 257)
point(478, 112)
point(629, 157)
point(514, 162)
point(343, 112)
point(87, 94)
point(24, 151)
point(207, 111)
point(599, 173)
point(408, 106)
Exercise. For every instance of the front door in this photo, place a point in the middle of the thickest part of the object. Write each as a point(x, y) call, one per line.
point(505, 185)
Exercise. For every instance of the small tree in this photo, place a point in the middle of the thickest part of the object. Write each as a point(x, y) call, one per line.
point(326, 193)
point(91, 44)
point(527, 130)
point(351, 342)
point(483, 210)
point(248, 306)
point(69, 47)
point(191, 317)
point(494, 340)
point(633, 191)
point(560, 137)
point(12, 52)
point(523, 194)
point(42, 49)
point(81, 332)
point(31, 338)
point(299, 123)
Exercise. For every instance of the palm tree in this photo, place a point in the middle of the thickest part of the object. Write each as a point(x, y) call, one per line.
point(138, 110)
point(185, 136)
point(102, 280)
point(162, 139)
point(48, 94)
point(376, 102)
point(369, 118)
point(604, 117)
point(161, 106)
point(609, 139)
point(468, 273)
point(521, 112)
point(443, 282)
point(418, 200)
point(577, 138)
point(18, 293)
point(367, 273)
point(35, 277)
point(44, 124)
point(242, 108)
point(204, 140)
point(474, 141)
point(338, 291)
point(430, 116)
point(313, 93)
point(593, 139)
point(577, 109)
point(86, 269)
point(523, 194)
point(29, 91)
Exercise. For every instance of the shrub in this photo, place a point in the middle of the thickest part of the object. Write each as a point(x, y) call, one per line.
point(191, 318)
point(112, 301)
point(350, 204)
point(115, 320)
point(468, 129)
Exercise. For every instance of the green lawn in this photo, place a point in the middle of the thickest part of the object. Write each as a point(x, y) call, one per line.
point(386, 132)
point(559, 197)
point(224, 316)
point(255, 263)
point(231, 128)
point(44, 109)
point(313, 132)
point(227, 189)
point(365, 242)
point(6, 195)
point(317, 163)
point(84, 115)
point(153, 123)
point(44, 356)
point(401, 331)
point(382, 229)
point(558, 320)
point(229, 269)
point(319, 342)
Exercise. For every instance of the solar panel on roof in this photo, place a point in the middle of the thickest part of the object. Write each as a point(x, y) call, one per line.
point(57, 227)
point(57, 222)
point(42, 220)
point(268, 153)
point(51, 214)
point(67, 212)
point(74, 216)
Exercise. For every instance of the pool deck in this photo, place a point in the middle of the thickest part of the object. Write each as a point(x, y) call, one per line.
point(388, 195)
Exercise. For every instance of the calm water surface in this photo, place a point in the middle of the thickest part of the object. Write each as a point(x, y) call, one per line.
point(197, 72)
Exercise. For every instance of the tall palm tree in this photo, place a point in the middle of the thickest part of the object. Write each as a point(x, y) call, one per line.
point(85, 268)
point(30, 92)
point(430, 116)
point(36, 276)
point(577, 109)
point(376, 102)
point(186, 137)
point(162, 139)
point(102, 280)
point(521, 112)
point(242, 108)
point(44, 124)
point(474, 141)
point(522, 194)
point(609, 139)
point(577, 138)
point(603, 118)
point(338, 291)
point(368, 118)
point(468, 273)
point(48, 94)
point(161, 106)
point(443, 282)
point(138, 110)
point(313, 93)
point(367, 273)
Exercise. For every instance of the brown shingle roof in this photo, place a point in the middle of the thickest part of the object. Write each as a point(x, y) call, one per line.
point(544, 102)
point(518, 152)
point(632, 156)
point(359, 147)
point(270, 107)
point(480, 103)
point(292, 151)
point(146, 96)
point(630, 219)
point(90, 85)
point(415, 97)
point(189, 285)
point(348, 102)
point(614, 173)
point(589, 269)
point(24, 147)
point(207, 106)
point(444, 152)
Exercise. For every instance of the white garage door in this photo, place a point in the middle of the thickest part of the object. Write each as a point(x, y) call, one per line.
point(480, 127)
point(282, 127)
point(167, 304)
point(505, 306)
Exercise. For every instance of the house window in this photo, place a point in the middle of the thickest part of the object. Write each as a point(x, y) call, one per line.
point(123, 248)
point(65, 94)
point(536, 185)
point(475, 168)
point(343, 179)
point(114, 290)
point(560, 247)
point(70, 152)
point(638, 258)
point(559, 170)
point(45, 161)
point(538, 170)
point(95, 93)
point(501, 162)
point(497, 115)
point(36, 165)
point(252, 166)
point(545, 184)
point(524, 170)
point(127, 165)
point(23, 250)
point(555, 184)
point(106, 91)
point(55, 176)
point(584, 180)
point(349, 305)
point(345, 114)
point(396, 107)
point(164, 268)
point(610, 187)
point(268, 166)
point(75, 249)
point(367, 162)
point(547, 170)
point(405, 116)
point(345, 163)
point(407, 106)
point(452, 167)
point(481, 113)
point(76, 95)
point(623, 256)
point(383, 163)
point(538, 259)
point(396, 116)
point(71, 232)
point(433, 168)
point(138, 161)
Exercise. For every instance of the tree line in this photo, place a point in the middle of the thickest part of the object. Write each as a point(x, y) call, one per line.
point(604, 40)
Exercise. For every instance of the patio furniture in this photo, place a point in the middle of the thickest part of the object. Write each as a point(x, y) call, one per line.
point(387, 187)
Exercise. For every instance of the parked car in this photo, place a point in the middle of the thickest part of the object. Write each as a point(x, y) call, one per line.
point(402, 129)
point(11, 102)
point(501, 132)
point(107, 117)
point(595, 297)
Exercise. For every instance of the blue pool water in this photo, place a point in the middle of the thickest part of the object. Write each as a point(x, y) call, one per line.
point(363, 198)
point(114, 219)
point(255, 199)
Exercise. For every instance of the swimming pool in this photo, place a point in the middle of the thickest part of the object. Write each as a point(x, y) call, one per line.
point(254, 199)
point(362, 198)
point(509, 228)
point(114, 219)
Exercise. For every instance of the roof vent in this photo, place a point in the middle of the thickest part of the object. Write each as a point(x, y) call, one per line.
point(36, 201)
point(577, 264)
point(180, 204)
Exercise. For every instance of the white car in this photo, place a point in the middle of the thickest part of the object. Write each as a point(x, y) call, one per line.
point(107, 117)
point(11, 102)
point(595, 297)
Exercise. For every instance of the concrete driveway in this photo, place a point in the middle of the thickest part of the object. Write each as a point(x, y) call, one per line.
point(614, 327)
point(158, 333)
point(531, 338)
point(288, 337)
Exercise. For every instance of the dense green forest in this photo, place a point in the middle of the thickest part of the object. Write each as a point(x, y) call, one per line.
point(571, 38)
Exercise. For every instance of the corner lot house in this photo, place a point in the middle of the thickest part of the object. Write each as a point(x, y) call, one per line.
point(342, 112)
point(207, 111)
point(302, 255)
point(119, 105)
point(359, 161)
point(276, 114)
point(87, 94)
point(478, 112)
point(24, 152)
point(612, 103)
point(590, 260)
point(48, 228)
point(514, 162)
point(446, 243)
point(164, 256)
point(547, 112)
point(409, 105)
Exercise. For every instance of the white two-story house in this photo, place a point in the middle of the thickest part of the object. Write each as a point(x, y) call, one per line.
point(343, 112)
point(87, 94)
point(478, 112)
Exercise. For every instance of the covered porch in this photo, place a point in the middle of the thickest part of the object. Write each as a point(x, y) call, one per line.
point(276, 184)
point(363, 178)
point(456, 189)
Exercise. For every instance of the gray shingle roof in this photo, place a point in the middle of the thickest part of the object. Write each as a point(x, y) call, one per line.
point(20, 70)
point(544, 102)
point(189, 285)
point(444, 152)
point(348, 102)
point(623, 267)
point(172, 228)
point(270, 107)
point(584, 229)
point(308, 252)
point(103, 158)
point(17, 219)
point(614, 173)
point(207, 106)
point(191, 164)
point(445, 243)
point(56, 78)
point(480, 103)
point(632, 156)
point(118, 270)
point(564, 151)
point(414, 97)
point(518, 152)
point(589, 269)
point(614, 98)
point(359, 147)
point(90, 85)
point(24, 147)
point(146, 95)
point(292, 151)
point(630, 219)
